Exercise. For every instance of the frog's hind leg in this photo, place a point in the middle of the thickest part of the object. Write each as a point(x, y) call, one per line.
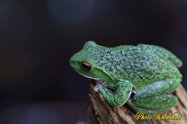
point(157, 88)
point(153, 104)
point(155, 97)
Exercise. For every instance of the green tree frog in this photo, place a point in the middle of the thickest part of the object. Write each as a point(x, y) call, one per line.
point(143, 76)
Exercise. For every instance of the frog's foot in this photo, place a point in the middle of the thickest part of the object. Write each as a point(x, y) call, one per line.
point(99, 85)
point(153, 104)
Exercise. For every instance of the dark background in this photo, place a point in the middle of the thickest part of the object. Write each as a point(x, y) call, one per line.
point(37, 38)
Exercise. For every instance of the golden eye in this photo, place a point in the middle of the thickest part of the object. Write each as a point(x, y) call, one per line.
point(86, 65)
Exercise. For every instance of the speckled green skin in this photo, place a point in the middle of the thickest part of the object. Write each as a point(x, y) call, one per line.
point(150, 71)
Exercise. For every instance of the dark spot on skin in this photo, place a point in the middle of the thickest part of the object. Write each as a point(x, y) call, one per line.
point(102, 64)
point(112, 89)
point(132, 94)
point(125, 85)
point(128, 91)
point(110, 69)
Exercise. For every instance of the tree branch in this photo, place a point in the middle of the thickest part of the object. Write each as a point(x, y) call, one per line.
point(105, 114)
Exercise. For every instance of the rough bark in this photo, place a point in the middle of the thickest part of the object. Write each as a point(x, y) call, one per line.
point(105, 114)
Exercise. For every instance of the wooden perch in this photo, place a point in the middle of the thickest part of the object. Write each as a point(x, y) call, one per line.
point(105, 114)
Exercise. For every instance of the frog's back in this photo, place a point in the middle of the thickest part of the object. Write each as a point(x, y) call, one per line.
point(162, 53)
point(142, 68)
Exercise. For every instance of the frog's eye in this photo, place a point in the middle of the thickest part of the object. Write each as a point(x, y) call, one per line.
point(86, 65)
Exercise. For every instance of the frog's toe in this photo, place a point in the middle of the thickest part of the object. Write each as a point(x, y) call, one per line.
point(97, 87)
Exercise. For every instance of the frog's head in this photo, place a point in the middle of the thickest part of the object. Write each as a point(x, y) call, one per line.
point(85, 62)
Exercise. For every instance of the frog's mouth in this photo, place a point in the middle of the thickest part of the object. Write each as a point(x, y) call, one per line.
point(96, 80)
point(87, 76)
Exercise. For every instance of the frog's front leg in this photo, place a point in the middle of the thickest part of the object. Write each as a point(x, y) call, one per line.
point(119, 96)
point(155, 98)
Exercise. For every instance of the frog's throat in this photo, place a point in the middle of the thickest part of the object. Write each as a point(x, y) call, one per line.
point(87, 76)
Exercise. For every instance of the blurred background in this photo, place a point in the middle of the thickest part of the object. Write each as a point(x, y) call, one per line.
point(37, 38)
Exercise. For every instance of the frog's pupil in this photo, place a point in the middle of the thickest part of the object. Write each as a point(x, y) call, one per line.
point(86, 66)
